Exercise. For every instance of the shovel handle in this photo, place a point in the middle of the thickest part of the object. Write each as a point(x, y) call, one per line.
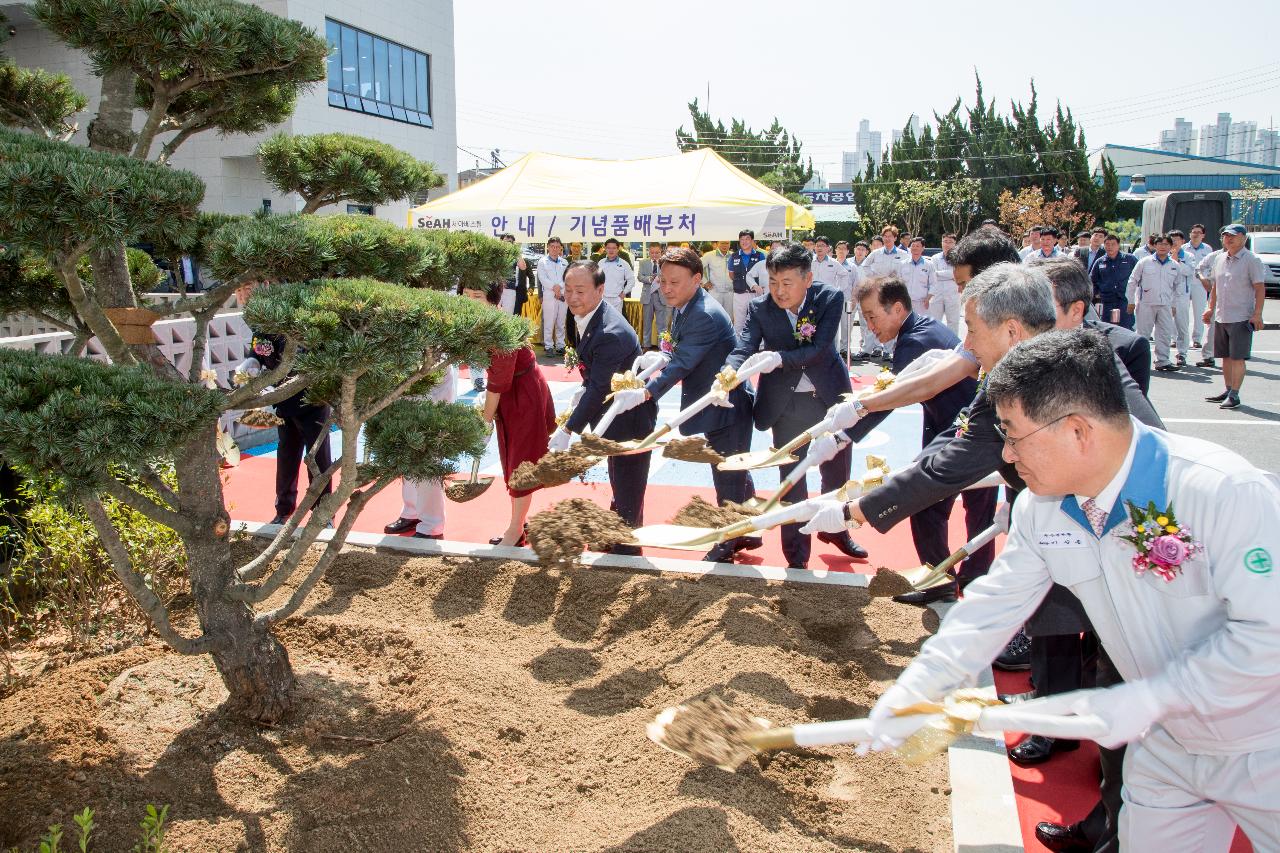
point(799, 511)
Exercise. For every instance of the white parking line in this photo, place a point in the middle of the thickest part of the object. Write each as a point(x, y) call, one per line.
point(1220, 421)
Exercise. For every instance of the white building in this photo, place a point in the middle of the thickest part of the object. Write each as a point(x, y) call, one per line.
point(391, 78)
point(1241, 139)
point(1214, 137)
point(1266, 149)
point(1180, 140)
point(866, 143)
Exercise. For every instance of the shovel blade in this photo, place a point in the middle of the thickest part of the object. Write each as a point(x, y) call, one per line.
point(675, 536)
point(924, 575)
point(756, 459)
point(460, 491)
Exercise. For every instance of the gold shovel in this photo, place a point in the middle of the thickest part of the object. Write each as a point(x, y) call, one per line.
point(461, 491)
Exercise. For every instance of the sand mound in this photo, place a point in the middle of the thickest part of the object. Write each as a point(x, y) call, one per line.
point(888, 583)
point(692, 449)
point(560, 534)
point(700, 513)
point(451, 704)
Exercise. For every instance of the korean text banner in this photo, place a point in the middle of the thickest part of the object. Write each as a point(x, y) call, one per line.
point(649, 224)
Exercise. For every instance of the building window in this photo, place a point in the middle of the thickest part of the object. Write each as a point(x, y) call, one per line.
point(366, 209)
point(371, 75)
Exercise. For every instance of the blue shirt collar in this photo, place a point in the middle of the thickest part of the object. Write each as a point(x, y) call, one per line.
point(889, 251)
point(1146, 483)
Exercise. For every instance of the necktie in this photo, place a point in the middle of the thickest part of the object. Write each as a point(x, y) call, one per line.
point(1097, 517)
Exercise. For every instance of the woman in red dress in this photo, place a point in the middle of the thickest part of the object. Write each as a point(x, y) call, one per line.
point(518, 401)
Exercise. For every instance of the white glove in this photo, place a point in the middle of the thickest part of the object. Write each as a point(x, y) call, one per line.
point(829, 518)
point(560, 440)
point(246, 370)
point(897, 696)
point(629, 398)
point(766, 362)
point(720, 397)
point(1129, 710)
point(845, 415)
point(648, 360)
point(825, 448)
point(1002, 516)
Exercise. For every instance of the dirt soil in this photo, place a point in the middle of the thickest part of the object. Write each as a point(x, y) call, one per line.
point(700, 513)
point(693, 449)
point(450, 704)
point(553, 469)
point(560, 533)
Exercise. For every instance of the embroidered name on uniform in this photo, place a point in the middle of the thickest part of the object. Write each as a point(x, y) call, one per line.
point(1065, 539)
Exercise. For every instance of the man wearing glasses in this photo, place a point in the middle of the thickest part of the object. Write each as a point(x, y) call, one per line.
point(1192, 628)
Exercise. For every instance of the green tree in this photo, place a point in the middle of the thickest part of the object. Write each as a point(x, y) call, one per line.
point(1249, 200)
point(1001, 153)
point(34, 99)
point(329, 168)
point(362, 316)
point(771, 156)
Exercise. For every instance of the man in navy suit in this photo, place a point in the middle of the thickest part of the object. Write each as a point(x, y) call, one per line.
point(606, 344)
point(886, 307)
point(701, 338)
point(797, 322)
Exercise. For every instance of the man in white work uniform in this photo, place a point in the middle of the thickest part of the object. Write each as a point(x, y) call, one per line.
point(1153, 285)
point(1194, 631)
point(619, 278)
point(944, 301)
point(550, 273)
point(1182, 296)
point(718, 282)
point(423, 500)
point(919, 275)
point(886, 260)
point(1198, 250)
point(849, 279)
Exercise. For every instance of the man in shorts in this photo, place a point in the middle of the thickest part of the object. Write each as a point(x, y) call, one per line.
point(1235, 305)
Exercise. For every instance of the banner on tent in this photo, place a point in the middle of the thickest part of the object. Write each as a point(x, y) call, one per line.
point(649, 224)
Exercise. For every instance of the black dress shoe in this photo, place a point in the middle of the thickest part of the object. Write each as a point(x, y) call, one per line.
point(625, 550)
point(400, 525)
point(845, 544)
point(747, 543)
point(795, 565)
point(1015, 698)
point(522, 542)
point(722, 553)
point(1206, 362)
point(1063, 838)
point(1016, 656)
point(1037, 749)
point(1217, 398)
point(923, 597)
point(428, 535)
point(279, 519)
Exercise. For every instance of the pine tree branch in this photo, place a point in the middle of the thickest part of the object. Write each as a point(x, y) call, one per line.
point(156, 483)
point(88, 309)
point(199, 345)
point(294, 385)
point(209, 299)
point(145, 505)
point(403, 387)
point(238, 398)
point(137, 587)
point(354, 507)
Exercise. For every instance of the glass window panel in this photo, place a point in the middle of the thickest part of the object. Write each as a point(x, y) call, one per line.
point(350, 76)
point(369, 106)
point(353, 103)
point(399, 113)
point(333, 34)
point(424, 105)
point(384, 109)
point(366, 65)
point(335, 99)
point(410, 86)
point(397, 75)
point(380, 82)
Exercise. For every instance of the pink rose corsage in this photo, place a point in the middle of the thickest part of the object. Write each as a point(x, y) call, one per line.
point(1162, 543)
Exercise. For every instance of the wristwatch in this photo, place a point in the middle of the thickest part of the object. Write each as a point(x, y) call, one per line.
point(859, 409)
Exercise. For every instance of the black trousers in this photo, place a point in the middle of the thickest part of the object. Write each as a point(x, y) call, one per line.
point(301, 428)
point(736, 486)
point(1101, 825)
point(804, 411)
point(929, 531)
point(1059, 662)
point(629, 476)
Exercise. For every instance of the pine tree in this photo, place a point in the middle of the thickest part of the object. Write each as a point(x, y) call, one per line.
point(772, 156)
point(362, 313)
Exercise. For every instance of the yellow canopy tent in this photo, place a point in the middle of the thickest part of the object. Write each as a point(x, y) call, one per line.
point(697, 195)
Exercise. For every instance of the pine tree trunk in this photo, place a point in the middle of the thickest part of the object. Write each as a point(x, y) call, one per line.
point(253, 664)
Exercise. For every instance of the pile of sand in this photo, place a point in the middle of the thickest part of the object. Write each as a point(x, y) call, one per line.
point(707, 730)
point(465, 490)
point(560, 534)
point(699, 513)
point(451, 704)
point(594, 444)
point(888, 583)
point(554, 469)
point(692, 449)
point(260, 419)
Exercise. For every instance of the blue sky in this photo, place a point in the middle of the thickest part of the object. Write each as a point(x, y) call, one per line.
point(611, 80)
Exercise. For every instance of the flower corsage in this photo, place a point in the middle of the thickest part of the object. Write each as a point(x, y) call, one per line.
point(805, 329)
point(666, 343)
point(263, 347)
point(1162, 543)
point(570, 358)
